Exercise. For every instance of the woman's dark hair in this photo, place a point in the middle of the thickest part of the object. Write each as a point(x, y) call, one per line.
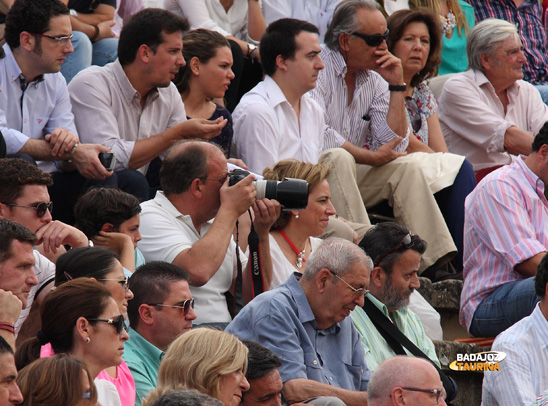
point(201, 44)
point(87, 262)
point(55, 381)
point(398, 22)
point(59, 312)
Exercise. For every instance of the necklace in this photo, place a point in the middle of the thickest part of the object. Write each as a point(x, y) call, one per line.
point(448, 23)
point(300, 254)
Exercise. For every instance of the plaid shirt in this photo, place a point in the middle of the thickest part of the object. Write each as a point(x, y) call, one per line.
point(528, 19)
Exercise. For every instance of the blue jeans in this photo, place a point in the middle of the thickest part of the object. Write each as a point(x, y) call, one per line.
point(543, 89)
point(507, 305)
point(87, 53)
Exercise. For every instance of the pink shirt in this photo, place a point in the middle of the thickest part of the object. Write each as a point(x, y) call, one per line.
point(124, 381)
point(474, 122)
point(506, 222)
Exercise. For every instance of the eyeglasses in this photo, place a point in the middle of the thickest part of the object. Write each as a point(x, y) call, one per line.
point(372, 40)
point(117, 323)
point(41, 208)
point(124, 282)
point(437, 392)
point(221, 180)
point(355, 292)
point(184, 306)
point(414, 113)
point(61, 41)
point(406, 241)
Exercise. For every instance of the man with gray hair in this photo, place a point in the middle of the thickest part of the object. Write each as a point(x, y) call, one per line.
point(362, 94)
point(406, 381)
point(488, 113)
point(305, 322)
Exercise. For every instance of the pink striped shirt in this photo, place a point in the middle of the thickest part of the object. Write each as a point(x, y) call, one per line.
point(506, 223)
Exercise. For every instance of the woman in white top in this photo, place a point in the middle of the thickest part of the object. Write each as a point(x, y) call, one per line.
point(239, 21)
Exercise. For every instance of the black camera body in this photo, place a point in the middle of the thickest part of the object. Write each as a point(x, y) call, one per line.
point(108, 160)
point(292, 194)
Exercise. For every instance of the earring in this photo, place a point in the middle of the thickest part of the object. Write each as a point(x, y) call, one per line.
point(88, 340)
point(296, 216)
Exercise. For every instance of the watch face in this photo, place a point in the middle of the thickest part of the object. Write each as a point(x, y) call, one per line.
point(73, 13)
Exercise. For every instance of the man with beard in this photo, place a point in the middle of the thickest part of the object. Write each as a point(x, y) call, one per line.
point(396, 253)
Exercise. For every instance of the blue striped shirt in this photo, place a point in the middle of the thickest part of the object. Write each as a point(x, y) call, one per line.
point(524, 372)
point(528, 19)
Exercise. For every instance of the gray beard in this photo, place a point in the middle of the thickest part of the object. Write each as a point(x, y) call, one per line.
point(391, 298)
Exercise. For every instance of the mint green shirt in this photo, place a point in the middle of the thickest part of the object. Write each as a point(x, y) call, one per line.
point(143, 360)
point(376, 348)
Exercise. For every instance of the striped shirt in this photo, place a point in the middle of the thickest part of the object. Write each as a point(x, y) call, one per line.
point(363, 121)
point(506, 223)
point(524, 372)
point(376, 348)
point(528, 19)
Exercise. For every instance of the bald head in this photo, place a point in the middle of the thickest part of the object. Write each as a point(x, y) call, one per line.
point(184, 162)
point(388, 380)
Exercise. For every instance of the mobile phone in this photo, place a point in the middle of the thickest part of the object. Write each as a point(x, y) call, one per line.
point(108, 160)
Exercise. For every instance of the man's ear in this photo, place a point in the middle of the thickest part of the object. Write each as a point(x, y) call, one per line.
point(3, 208)
point(144, 53)
point(281, 63)
point(322, 277)
point(197, 188)
point(486, 61)
point(397, 396)
point(343, 41)
point(378, 276)
point(27, 41)
point(146, 314)
point(107, 227)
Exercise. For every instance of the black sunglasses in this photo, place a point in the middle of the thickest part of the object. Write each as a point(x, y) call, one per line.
point(406, 241)
point(41, 208)
point(372, 40)
point(117, 323)
point(184, 306)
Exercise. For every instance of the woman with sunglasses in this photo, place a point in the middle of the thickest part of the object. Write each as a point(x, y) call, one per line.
point(415, 37)
point(102, 265)
point(54, 381)
point(80, 318)
point(210, 361)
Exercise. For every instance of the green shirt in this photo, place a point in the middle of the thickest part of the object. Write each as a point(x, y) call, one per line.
point(376, 348)
point(143, 360)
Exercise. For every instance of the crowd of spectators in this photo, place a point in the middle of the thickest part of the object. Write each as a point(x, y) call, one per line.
point(136, 269)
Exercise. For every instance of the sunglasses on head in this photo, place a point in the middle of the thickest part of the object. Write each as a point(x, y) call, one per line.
point(406, 242)
point(184, 306)
point(41, 208)
point(117, 322)
point(373, 40)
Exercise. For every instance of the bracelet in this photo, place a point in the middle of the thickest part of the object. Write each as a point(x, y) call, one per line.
point(7, 326)
point(72, 151)
point(92, 39)
point(397, 88)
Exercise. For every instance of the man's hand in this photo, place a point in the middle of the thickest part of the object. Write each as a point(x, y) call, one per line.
point(86, 161)
point(237, 162)
point(266, 212)
point(10, 307)
point(61, 142)
point(105, 29)
point(238, 198)
point(201, 128)
point(113, 241)
point(55, 234)
point(389, 67)
point(385, 153)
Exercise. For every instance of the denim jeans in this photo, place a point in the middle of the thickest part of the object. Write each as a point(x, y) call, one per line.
point(507, 305)
point(87, 53)
point(543, 89)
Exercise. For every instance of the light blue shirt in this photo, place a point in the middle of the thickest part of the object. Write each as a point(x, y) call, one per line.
point(143, 360)
point(35, 112)
point(524, 372)
point(282, 320)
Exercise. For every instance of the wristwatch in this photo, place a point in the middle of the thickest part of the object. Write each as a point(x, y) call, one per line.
point(73, 13)
point(250, 49)
point(397, 88)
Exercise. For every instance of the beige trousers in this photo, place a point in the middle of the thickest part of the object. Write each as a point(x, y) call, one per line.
point(403, 184)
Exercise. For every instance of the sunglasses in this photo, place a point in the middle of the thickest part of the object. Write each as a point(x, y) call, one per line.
point(372, 40)
point(184, 306)
point(41, 208)
point(406, 241)
point(414, 113)
point(124, 282)
point(117, 323)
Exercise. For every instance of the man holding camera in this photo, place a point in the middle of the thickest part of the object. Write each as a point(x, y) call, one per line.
point(190, 224)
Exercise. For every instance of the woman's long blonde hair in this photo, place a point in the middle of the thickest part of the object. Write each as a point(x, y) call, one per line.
point(198, 360)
